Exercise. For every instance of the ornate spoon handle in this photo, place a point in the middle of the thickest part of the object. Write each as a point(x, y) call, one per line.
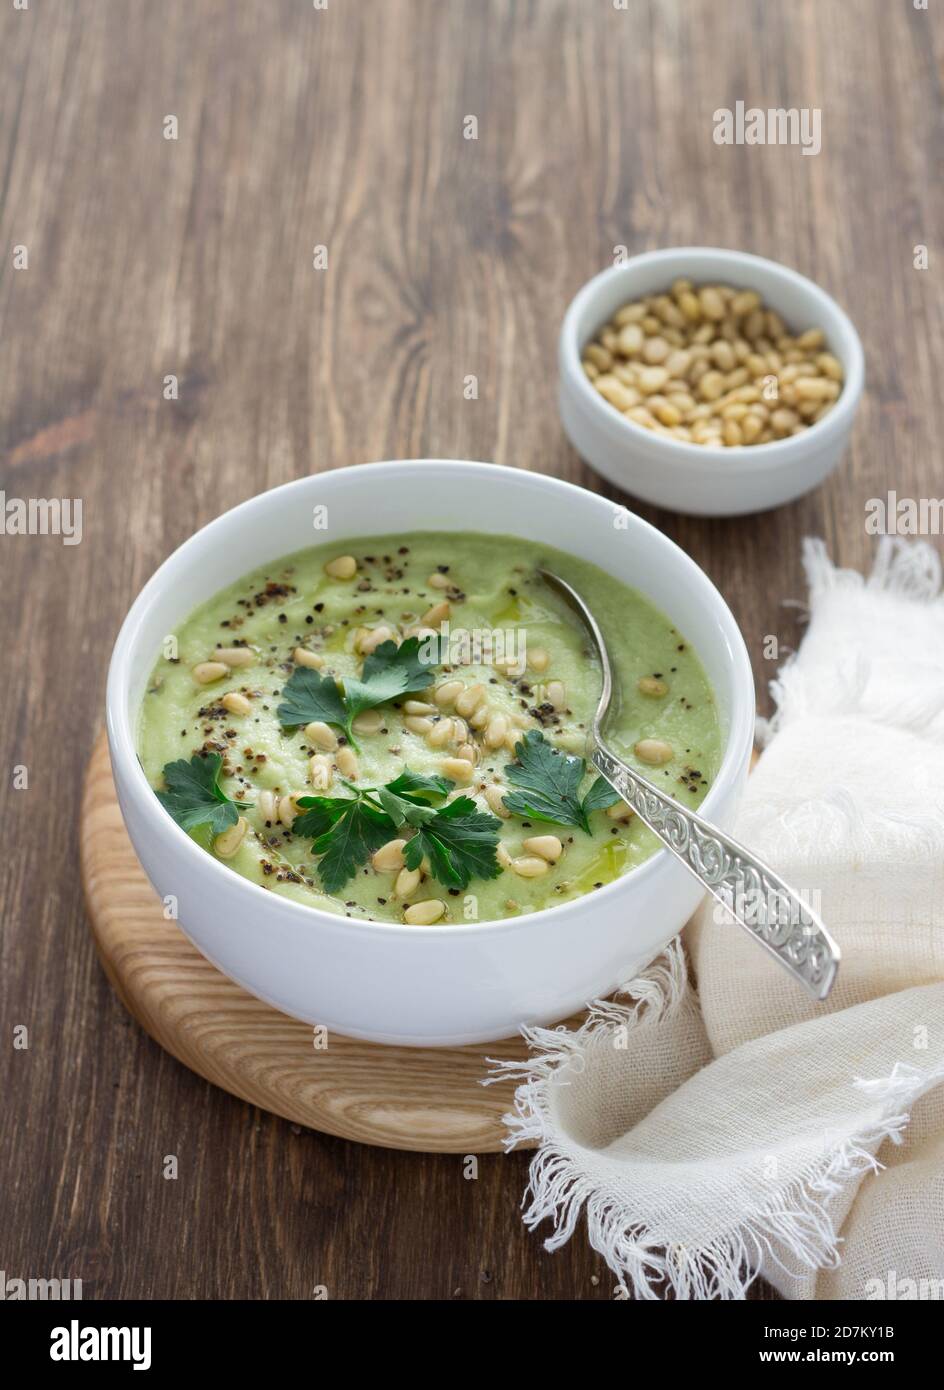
point(757, 898)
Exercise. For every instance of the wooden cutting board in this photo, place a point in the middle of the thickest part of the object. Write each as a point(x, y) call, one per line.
point(400, 1097)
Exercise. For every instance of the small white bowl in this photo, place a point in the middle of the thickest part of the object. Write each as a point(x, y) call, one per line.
point(688, 477)
point(425, 986)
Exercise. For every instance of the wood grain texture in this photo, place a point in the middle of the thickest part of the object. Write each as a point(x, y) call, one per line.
point(447, 258)
point(430, 1100)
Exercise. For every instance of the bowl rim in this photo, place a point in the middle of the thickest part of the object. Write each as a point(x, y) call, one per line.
point(734, 461)
point(122, 744)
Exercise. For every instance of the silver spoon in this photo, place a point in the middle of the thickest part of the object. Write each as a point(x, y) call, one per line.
point(758, 899)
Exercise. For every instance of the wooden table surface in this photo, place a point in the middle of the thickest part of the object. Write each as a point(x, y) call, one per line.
point(447, 257)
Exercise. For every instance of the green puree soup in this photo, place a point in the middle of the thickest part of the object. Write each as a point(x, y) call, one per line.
point(394, 729)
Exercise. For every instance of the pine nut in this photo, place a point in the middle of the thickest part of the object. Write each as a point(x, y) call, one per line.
point(235, 702)
point(206, 672)
point(745, 303)
point(458, 770)
point(538, 659)
point(529, 866)
point(470, 699)
point(546, 847)
point(652, 379)
point(438, 581)
point(751, 427)
point(711, 386)
point(502, 855)
point(613, 390)
point(630, 313)
point(226, 845)
point(369, 721)
point(468, 753)
point(664, 411)
point(389, 858)
point(446, 694)
point(600, 356)
point(620, 811)
point(655, 351)
point(418, 707)
point(424, 914)
point(813, 338)
point(815, 388)
point(496, 804)
point(320, 771)
point(319, 735)
point(288, 810)
point(557, 694)
point(830, 366)
point(496, 731)
point(712, 305)
point(513, 738)
point(374, 638)
point(235, 656)
point(630, 339)
point(722, 354)
point(653, 750)
point(418, 724)
point(439, 613)
point(344, 567)
point(480, 718)
point(678, 362)
point(303, 657)
point(652, 687)
point(346, 760)
point(408, 880)
point(440, 733)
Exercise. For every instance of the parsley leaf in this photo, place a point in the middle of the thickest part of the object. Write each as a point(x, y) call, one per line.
point(194, 797)
point(460, 842)
point(412, 785)
point(389, 672)
point(548, 782)
point(458, 839)
point(347, 831)
point(308, 696)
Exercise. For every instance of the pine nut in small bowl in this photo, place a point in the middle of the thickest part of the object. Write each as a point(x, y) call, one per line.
point(708, 381)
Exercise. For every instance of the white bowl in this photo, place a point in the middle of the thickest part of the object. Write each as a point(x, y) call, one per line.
point(425, 986)
point(688, 477)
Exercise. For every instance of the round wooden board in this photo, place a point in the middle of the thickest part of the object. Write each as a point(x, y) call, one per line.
point(400, 1097)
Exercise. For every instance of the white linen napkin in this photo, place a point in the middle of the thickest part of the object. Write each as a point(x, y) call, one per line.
point(708, 1138)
